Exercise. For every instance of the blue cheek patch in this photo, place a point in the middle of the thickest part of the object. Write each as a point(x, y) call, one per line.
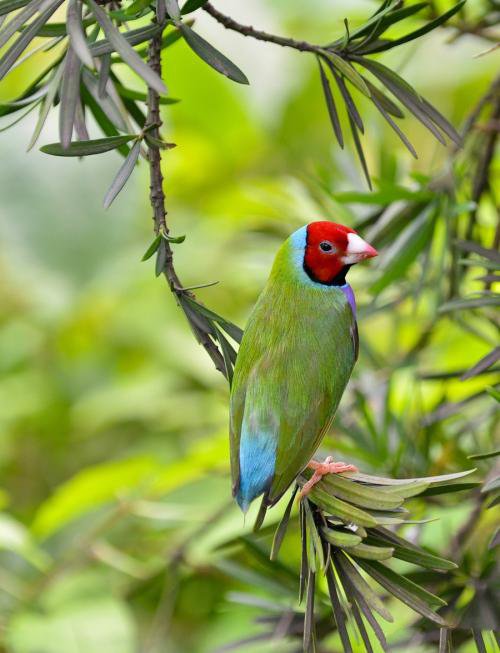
point(257, 463)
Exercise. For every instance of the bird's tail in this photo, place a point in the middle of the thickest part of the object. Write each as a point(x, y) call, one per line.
point(257, 463)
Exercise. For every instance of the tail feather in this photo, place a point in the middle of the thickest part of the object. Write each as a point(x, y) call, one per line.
point(257, 463)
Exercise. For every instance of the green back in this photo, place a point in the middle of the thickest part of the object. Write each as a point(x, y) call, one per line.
point(294, 362)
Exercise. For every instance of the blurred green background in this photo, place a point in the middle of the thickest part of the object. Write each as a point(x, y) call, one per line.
point(113, 422)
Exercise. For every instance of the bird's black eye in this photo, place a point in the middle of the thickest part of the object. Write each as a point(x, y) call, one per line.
point(326, 246)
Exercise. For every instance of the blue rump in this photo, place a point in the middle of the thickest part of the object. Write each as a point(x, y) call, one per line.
point(257, 462)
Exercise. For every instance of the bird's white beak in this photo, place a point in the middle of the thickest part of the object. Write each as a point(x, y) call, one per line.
point(357, 250)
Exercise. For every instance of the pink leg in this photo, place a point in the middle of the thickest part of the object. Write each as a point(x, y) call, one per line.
point(321, 469)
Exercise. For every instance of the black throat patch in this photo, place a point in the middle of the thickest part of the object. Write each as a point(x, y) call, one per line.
point(338, 279)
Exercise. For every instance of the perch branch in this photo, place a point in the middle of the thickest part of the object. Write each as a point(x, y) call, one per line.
point(157, 195)
point(248, 30)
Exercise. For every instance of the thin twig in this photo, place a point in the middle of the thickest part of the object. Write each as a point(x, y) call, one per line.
point(157, 195)
point(248, 30)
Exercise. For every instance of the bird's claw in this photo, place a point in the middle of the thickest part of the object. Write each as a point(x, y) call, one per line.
point(328, 466)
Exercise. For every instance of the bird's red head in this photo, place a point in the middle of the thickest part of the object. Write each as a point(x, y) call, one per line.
point(331, 249)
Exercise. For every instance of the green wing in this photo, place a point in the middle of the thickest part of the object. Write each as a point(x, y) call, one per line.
point(294, 362)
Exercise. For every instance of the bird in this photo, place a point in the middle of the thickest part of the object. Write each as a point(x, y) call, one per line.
point(295, 358)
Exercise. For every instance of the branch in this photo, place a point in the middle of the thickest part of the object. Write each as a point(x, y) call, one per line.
point(248, 30)
point(157, 196)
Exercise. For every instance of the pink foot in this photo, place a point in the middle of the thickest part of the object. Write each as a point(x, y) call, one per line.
point(320, 470)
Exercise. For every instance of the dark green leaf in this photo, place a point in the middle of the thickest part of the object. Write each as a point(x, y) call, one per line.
point(70, 96)
point(282, 526)
point(231, 329)
point(229, 358)
point(348, 101)
point(444, 640)
point(123, 174)
point(173, 9)
point(473, 302)
point(360, 584)
point(359, 150)
point(134, 37)
point(152, 248)
point(47, 104)
point(384, 101)
point(309, 613)
point(76, 32)
point(105, 102)
point(468, 246)
point(161, 258)
point(485, 363)
point(6, 6)
point(337, 611)
point(404, 92)
point(192, 5)
point(211, 56)
point(25, 38)
point(346, 69)
point(406, 249)
point(405, 590)
point(88, 148)
point(380, 106)
point(18, 21)
point(425, 29)
point(483, 456)
point(330, 103)
point(369, 552)
point(125, 50)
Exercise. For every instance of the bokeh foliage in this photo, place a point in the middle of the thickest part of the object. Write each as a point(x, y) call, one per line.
point(117, 532)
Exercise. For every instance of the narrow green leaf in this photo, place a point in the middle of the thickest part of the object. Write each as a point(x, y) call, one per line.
point(404, 93)
point(125, 50)
point(282, 527)
point(105, 102)
point(47, 104)
point(483, 456)
point(152, 248)
point(76, 32)
point(229, 356)
point(359, 494)
point(211, 56)
point(192, 5)
point(379, 480)
point(231, 329)
point(173, 9)
point(444, 640)
point(338, 612)
point(348, 101)
point(18, 47)
point(383, 100)
point(7, 6)
point(359, 150)
point(381, 108)
point(405, 590)
point(309, 613)
point(409, 552)
point(346, 69)
point(340, 538)
point(123, 174)
point(133, 37)
point(406, 248)
point(70, 96)
point(304, 565)
point(19, 20)
point(369, 552)
point(473, 302)
point(161, 259)
point(425, 29)
point(330, 103)
point(88, 148)
point(341, 509)
point(356, 596)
